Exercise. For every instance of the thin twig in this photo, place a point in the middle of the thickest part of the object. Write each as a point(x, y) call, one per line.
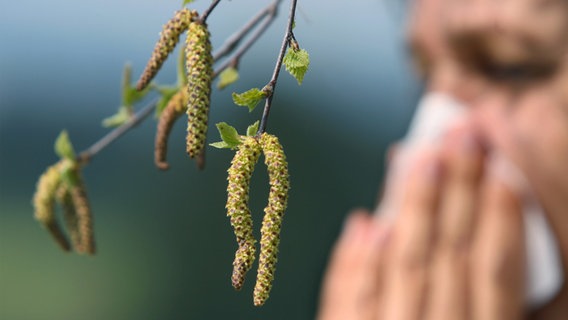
point(272, 84)
point(234, 60)
point(206, 13)
point(86, 155)
point(231, 42)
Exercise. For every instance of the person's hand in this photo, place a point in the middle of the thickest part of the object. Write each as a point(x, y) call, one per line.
point(531, 128)
point(455, 251)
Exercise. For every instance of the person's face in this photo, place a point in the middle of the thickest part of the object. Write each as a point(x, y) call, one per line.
point(508, 61)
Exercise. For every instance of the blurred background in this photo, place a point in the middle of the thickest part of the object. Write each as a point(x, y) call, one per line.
point(165, 244)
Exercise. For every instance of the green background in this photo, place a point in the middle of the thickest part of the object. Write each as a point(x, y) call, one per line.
point(165, 244)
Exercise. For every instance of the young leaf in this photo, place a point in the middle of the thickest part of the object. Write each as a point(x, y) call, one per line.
point(129, 94)
point(63, 146)
point(129, 97)
point(126, 85)
point(132, 95)
point(252, 129)
point(167, 94)
point(220, 145)
point(229, 135)
point(124, 113)
point(297, 63)
point(249, 98)
point(227, 77)
point(185, 2)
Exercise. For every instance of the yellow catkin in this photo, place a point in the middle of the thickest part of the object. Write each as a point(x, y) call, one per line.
point(199, 64)
point(84, 215)
point(169, 37)
point(240, 172)
point(277, 166)
point(44, 201)
point(175, 108)
point(64, 199)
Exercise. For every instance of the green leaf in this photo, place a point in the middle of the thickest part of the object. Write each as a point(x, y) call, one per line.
point(220, 145)
point(227, 77)
point(230, 136)
point(124, 114)
point(252, 129)
point(185, 2)
point(129, 93)
point(167, 94)
point(63, 146)
point(126, 86)
point(249, 98)
point(297, 63)
point(129, 97)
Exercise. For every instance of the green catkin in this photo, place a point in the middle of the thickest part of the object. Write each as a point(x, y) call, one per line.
point(63, 197)
point(169, 37)
point(238, 211)
point(44, 204)
point(84, 215)
point(199, 64)
point(174, 109)
point(277, 166)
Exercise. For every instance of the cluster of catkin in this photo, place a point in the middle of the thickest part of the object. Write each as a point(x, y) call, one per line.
point(240, 172)
point(194, 99)
point(62, 183)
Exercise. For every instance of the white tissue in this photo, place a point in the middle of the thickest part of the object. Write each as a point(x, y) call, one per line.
point(436, 113)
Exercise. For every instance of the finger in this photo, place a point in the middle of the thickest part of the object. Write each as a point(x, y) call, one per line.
point(350, 285)
point(464, 162)
point(498, 255)
point(390, 159)
point(411, 242)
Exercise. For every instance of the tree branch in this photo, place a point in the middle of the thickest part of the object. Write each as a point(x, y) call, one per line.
point(231, 42)
point(272, 84)
point(86, 155)
point(269, 14)
point(206, 13)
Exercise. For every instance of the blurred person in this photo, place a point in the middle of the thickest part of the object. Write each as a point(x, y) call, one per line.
point(455, 248)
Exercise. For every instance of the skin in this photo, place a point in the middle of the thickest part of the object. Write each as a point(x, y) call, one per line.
point(526, 121)
point(382, 271)
point(456, 250)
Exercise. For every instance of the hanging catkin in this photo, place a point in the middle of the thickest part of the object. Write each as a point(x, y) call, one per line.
point(44, 204)
point(63, 197)
point(84, 216)
point(238, 211)
point(277, 166)
point(174, 109)
point(169, 37)
point(199, 73)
